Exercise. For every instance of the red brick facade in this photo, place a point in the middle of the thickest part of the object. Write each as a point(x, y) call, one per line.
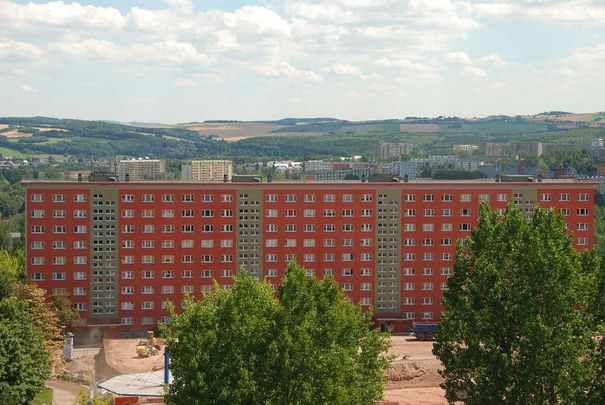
point(122, 249)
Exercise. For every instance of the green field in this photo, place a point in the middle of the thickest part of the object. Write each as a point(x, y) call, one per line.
point(11, 152)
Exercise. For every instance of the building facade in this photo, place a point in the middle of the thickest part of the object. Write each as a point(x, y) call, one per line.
point(140, 169)
point(388, 151)
point(207, 170)
point(123, 250)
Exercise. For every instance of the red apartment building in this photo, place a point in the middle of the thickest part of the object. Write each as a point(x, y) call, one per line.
point(123, 249)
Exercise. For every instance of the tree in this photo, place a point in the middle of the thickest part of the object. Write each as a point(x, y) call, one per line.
point(522, 315)
point(307, 345)
point(23, 358)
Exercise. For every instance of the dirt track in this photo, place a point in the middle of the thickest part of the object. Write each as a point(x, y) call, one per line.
point(413, 377)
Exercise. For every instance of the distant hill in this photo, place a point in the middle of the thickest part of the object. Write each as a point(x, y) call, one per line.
point(285, 138)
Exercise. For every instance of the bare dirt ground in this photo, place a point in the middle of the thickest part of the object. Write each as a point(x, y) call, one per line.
point(413, 377)
point(118, 356)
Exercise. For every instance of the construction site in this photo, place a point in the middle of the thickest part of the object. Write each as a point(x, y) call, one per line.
point(135, 367)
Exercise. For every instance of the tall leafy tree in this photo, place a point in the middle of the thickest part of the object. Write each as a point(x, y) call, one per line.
point(24, 360)
point(308, 345)
point(522, 319)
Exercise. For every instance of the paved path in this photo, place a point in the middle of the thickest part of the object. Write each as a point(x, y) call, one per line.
point(64, 392)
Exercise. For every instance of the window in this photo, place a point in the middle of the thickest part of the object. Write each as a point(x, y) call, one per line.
point(309, 228)
point(37, 229)
point(329, 197)
point(290, 228)
point(309, 243)
point(226, 213)
point(409, 213)
point(408, 286)
point(187, 198)
point(127, 228)
point(502, 197)
point(410, 198)
point(37, 261)
point(167, 197)
point(58, 228)
point(127, 244)
point(546, 197)
point(37, 198)
point(447, 197)
point(187, 228)
point(465, 197)
point(148, 274)
point(271, 198)
point(347, 197)
point(80, 259)
point(309, 213)
point(128, 275)
point(59, 276)
point(582, 241)
point(226, 273)
point(582, 227)
point(80, 229)
point(427, 285)
point(271, 213)
point(37, 245)
point(582, 212)
point(207, 198)
point(37, 276)
point(427, 315)
point(409, 227)
point(58, 198)
point(128, 290)
point(429, 212)
point(187, 274)
point(465, 212)
point(446, 271)
point(207, 213)
point(583, 197)
point(564, 211)
point(127, 213)
point(127, 259)
point(347, 257)
point(347, 227)
point(58, 213)
point(464, 227)
point(167, 213)
point(366, 197)
point(148, 197)
point(59, 244)
point(309, 197)
point(127, 197)
point(206, 273)
point(428, 198)
point(187, 289)
point(329, 257)
point(347, 287)
point(37, 213)
point(483, 197)
point(428, 227)
point(329, 213)
point(290, 197)
point(347, 212)
point(79, 291)
point(564, 197)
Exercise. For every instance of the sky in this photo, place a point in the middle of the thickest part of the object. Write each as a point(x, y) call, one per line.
point(180, 60)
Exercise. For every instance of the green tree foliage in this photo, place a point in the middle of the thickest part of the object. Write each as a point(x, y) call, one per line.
point(522, 315)
point(309, 345)
point(24, 361)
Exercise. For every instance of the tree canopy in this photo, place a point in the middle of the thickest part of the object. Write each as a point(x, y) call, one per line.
point(307, 345)
point(523, 318)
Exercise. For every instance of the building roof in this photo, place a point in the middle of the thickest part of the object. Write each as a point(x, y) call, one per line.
point(150, 384)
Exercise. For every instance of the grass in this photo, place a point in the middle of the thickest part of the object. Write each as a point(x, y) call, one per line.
point(11, 152)
point(44, 397)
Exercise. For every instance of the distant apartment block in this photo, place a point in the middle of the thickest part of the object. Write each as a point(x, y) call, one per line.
point(495, 149)
point(530, 148)
point(207, 170)
point(465, 148)
point(141, 169)
point(389, 151)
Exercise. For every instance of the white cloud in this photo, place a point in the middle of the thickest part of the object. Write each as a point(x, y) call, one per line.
point(14, 49)
point(60, 14)
point(492, 59)
point(457, 58)
point(344, 69)
point(473, 72)
point(284, 69)
point(166, 53)
point(185, 6)
point(567, 11)
point(26, 88)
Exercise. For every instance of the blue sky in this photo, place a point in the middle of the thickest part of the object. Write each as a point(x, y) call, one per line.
point(182, 60)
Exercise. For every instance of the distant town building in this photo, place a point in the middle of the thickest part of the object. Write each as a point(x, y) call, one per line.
point(389, 151)
point(495, 149)
point(529, 148)
point(465, 148)
point(402, 169)
point(207, 170)
point(315, 165)
point(596, 148)
point(141, 169)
